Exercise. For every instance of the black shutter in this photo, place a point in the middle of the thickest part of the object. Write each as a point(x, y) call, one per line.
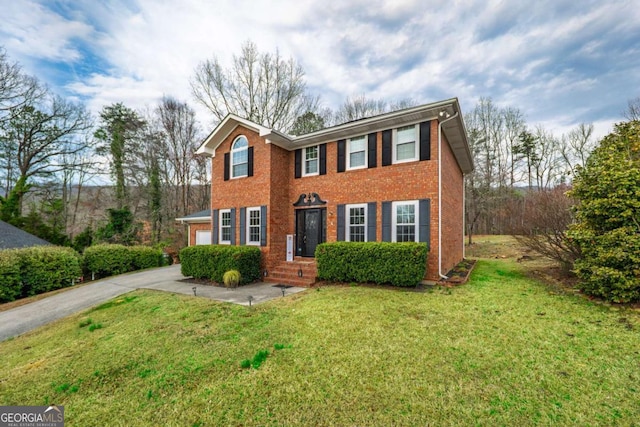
point(214, 228)
point(323, 159)
point(386, 221)
point(250, 161)
point(424, 216)
point(342, 162)
point(371, 222)
point(227, 160)
point(341, 223)
point(298, 163)
point(387, 148)
point(425, 141)
point(372, 152)
point(233, 226)
point(263, 225)
point(243, 226)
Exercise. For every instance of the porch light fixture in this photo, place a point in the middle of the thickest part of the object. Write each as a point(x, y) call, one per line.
point(300, 272)
point(265, 273)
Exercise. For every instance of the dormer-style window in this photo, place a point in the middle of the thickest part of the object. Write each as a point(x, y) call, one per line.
point(240, 157)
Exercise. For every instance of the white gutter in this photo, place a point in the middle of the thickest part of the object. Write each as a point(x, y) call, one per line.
point(440, 123)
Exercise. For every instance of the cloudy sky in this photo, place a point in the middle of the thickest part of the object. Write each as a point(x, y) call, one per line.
point(560, 62)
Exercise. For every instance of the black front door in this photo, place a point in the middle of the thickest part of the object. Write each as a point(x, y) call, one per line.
point(310, 230)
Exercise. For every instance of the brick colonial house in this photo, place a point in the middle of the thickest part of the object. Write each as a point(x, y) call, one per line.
point(393, 177)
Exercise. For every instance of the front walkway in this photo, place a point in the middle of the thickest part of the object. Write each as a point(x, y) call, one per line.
point(24, 318)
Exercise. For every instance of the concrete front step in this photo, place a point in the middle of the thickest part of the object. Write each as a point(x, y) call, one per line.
point(288, 273)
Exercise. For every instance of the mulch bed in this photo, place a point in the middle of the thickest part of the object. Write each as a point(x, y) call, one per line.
point(459, 274)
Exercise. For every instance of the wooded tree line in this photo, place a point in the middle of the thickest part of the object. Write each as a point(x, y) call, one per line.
point(56, 161)
point(54, 151)
point(513, 161)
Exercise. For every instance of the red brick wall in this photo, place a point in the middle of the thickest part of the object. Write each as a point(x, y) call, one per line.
point(273, 184)
point(452, 209)
point(193, 227)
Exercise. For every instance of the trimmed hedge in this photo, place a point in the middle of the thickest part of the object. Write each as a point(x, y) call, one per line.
point(31, 271)
point(10, 283)
point(398, 264)
point(212, 261)
point(111, 259)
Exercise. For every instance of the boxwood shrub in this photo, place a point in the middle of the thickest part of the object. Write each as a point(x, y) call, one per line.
point(46, 268)
point(10, 283)
point(111, 259)
point(212, 261)
point(398, 264)
point(31, 271)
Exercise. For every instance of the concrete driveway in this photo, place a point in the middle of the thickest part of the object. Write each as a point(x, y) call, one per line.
point(30, 316)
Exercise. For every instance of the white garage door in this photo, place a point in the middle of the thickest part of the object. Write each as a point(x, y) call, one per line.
point(203, 237)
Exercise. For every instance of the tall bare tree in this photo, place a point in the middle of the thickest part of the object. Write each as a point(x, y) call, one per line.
point(262, 87)
point(576, 146)
point(16, 88)
point(633, 109)
point(360, 107)
point(177, 122)
point(37, 139)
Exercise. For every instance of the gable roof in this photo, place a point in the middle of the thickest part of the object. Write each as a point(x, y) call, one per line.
point(204, 215)
point(13, 238)
point(453, 129)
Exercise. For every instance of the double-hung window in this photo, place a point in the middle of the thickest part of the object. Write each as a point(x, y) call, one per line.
point(405, 221)
point(405, 145)
point(225, 226)
point(253, 226)
point(310, 160)
point(357, 153)
point(356, 225)
point(240, 157)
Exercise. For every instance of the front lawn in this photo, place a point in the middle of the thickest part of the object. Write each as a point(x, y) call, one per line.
point(500, 350)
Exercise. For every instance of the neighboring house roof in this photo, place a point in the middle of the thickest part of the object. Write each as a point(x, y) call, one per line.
point(202, 216)
point(454, 130)
point(12, 238)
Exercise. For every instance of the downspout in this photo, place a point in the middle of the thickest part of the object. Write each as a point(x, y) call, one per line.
point(464, 215)
point(440, 123)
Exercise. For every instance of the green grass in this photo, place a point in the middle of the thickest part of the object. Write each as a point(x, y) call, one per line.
point(500, 350)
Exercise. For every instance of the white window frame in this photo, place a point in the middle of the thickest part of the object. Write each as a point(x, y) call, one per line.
point(347, 219)
point(248, 222)
point(221, 226)
point(203, 233)
point(304, 161)
point(416, 146)
point(416, 219)
point(235, 150)
point(348, 153)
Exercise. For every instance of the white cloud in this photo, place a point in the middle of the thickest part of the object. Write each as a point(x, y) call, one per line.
point(544, 58)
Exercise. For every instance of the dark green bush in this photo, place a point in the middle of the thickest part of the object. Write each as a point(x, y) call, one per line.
point(398, 264)
point(111, 259)
point(145, 257)
point(46, 268)
point(606, 226)
point(10, 283)
point(212, 261)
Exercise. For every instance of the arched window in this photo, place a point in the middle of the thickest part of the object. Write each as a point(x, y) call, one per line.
point(240, 157)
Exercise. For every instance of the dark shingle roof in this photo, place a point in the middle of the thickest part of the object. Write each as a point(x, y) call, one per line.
point(12, 237)
point(202, 214)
